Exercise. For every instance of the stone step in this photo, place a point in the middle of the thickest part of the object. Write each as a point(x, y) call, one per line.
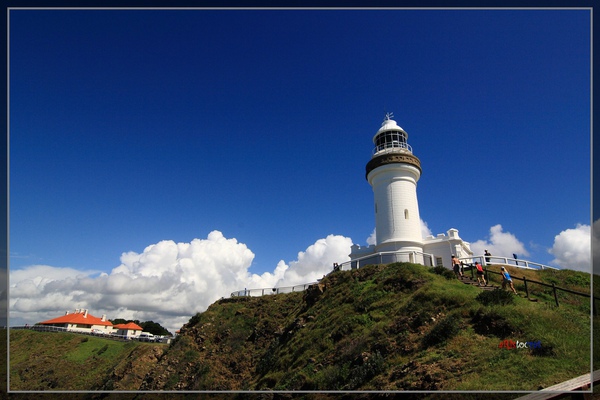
point(468, 281)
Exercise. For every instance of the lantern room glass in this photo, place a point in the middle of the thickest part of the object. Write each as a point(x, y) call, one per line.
point(390, 139)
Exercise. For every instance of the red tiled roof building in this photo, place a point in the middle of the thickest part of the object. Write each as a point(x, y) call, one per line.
point(129, 329)
point(80, 320)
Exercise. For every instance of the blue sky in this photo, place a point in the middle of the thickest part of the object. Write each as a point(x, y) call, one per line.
point(128, 128)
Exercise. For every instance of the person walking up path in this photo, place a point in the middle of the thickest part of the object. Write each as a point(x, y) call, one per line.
point(456, 267)
point(507, 280)
point(480, 277)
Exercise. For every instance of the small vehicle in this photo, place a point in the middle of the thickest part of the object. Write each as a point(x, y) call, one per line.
point(96, 331)
point(146, 337)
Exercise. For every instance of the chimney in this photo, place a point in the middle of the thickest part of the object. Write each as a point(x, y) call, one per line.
point(103, 317)
point(85, 313)
point(67, 313)
point(77, 311)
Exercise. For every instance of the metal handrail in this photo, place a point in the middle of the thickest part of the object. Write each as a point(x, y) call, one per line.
point(347, 265)
point(513, 262)
point(270, 291)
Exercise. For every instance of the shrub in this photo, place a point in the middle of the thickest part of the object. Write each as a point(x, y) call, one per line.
point(443, 271)
point(366, 273)
point(102, 349)
point(419, 312)
point(402, 283)
point(578, 280)
point(331, 377)
point(361, 374)
point(489, 322)
point(545, 350)
point(269, 360)
point(445, 329)
point(499, 297)
point(194, 320)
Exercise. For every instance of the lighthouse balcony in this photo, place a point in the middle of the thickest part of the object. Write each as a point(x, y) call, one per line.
point(394, 147)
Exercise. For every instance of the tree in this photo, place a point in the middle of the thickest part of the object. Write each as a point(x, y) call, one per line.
point(148, 326)
point(154, 328)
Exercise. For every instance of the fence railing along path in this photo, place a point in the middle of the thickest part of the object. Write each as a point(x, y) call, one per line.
point(526, 281)
point(511, 262)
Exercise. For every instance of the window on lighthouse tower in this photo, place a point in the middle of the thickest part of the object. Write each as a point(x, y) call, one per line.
point(391, 139)
point(406, 213)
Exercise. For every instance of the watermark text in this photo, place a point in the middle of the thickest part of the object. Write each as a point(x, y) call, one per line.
point(511, 344)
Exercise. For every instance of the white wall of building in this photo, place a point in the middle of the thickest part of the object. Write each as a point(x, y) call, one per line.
point(396, 206)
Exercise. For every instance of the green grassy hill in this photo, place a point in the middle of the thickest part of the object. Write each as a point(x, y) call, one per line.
point(69, 361)
point(395, 327)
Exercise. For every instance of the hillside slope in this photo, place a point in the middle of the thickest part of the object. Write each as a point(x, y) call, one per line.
point(69, 361)
point(395, 327)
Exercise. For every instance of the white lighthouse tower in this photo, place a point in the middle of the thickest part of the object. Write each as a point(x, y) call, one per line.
point(393, 172)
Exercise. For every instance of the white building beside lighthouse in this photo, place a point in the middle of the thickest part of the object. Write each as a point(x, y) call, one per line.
point(393, 173)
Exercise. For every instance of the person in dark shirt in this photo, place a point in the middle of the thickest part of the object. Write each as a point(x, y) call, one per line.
point(487, 258)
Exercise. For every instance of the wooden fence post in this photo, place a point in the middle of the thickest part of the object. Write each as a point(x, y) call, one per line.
point(526, 291)
point(555, 297)
point(471, 271)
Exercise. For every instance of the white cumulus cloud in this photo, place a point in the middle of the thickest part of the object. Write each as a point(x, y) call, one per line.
point(572, 248)
point(425, 231)
point(167, 283)
point(316, 261)
point(501, 244)
point(373, 238)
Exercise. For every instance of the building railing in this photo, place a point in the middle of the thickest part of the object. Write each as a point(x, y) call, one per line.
point(514, 262)
point(396, 147)
point(270, 291)
point(388, 257)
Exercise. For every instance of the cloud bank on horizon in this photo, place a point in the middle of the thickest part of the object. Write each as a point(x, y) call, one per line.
point(170, 282)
